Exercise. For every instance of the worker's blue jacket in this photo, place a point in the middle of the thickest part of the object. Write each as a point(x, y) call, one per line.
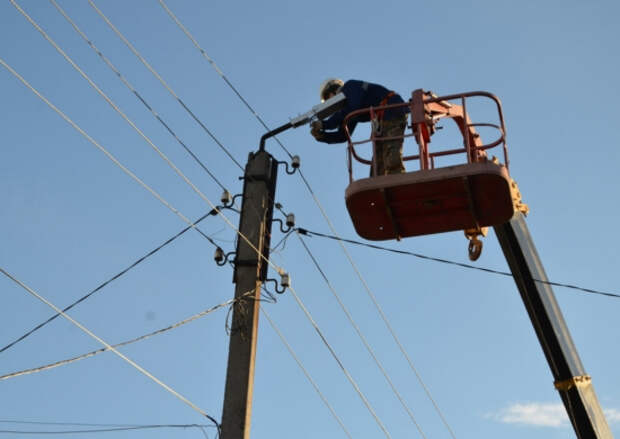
point(359, 95)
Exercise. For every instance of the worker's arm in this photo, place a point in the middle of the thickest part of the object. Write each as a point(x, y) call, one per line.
point(333, 127)
point(338, 136)
point(354, 92)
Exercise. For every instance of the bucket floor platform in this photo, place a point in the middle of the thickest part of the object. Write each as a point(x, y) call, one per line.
point(430, 201)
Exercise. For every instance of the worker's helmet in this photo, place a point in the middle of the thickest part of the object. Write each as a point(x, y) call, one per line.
point(331, 85)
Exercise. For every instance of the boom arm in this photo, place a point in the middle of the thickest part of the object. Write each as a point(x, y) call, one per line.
point(571, 381)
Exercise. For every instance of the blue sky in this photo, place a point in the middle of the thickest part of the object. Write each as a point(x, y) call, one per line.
point(72, 219)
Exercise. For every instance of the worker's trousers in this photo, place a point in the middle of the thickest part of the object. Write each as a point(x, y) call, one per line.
point(388, 156)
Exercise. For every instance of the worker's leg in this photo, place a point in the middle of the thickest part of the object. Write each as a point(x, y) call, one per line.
point(378, 158)
point(392, 150)
point(378, 166)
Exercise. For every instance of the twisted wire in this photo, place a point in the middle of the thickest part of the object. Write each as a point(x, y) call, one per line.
point(108, 346)
point(104, 284)
point(147, 139)
point(306, 373)
point(164, 83)
point(363, 339)
point(457, 264)
point(220, 72)
point(124, 343)
point(136, 93)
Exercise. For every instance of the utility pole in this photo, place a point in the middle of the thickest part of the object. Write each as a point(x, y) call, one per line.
point(259, 189)
point(250, 271)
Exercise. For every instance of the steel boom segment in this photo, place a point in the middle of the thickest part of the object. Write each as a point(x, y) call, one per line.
point(571, 380)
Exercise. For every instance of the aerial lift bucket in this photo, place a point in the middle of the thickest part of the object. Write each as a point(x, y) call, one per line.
point(469, 197)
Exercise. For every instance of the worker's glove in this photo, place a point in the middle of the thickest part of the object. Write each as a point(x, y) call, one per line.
point(317, 129)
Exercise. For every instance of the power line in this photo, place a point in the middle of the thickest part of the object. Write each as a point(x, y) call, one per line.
point(107, 345)
point(152, 70)
point(117, 109)
point(318, 203)
point(101, 148)
point(245, 102)
point(135, 92)
point(107, 282)
point(363, 338)
point(185, 219)
point(340, 364)
point(109, 429)
point(202, 51)
point(396, 339)
point(219, 71)
point(90, 424)
point(164, 83)
point(124, 116)
point(171, 164)
point(305, 371)
point(128, 172)
point(449, 262)
point(125, 343)
point(132, 175)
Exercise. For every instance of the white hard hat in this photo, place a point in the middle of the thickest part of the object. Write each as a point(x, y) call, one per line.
point(331, 84)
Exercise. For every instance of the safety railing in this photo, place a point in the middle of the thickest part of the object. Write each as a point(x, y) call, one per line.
point(425, 110)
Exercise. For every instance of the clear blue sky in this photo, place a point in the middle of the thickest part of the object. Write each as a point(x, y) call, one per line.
point(72, 219)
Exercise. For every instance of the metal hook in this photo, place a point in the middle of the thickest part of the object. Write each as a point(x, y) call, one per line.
point(220, 257)
point(295, 164)
point(475, 245)
point(285, 282)
point(474, 248)
point(228, 200)
point(290, 223)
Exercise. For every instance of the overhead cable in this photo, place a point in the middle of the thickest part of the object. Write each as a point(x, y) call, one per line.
point(219, 71)
point(108, 430)
point(245, 102)
point(119, 111)
point(135, 92)
point(340, 364)
point(260, 254)
point(89, 424)
point(362, 338)
point(392, 332)
point(105, 151)
point(104, 284)
point(154, 193)
point(152, 70)
point(300, 173)
point(147, 139)
point(125, 343)
point(458, 264)
point(107, 345)
point(223, 76)
point(305, 371)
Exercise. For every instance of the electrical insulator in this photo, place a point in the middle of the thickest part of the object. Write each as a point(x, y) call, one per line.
point(296, 162)
point(226, 197)
point(285, 280)
point(290, 220)
point(219, 255)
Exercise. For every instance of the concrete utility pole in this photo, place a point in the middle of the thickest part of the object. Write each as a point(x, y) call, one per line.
point(250, 271)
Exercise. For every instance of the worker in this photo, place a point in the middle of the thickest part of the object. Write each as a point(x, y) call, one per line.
point(391, 122)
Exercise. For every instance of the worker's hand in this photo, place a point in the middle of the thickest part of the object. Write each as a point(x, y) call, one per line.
point(317, 129)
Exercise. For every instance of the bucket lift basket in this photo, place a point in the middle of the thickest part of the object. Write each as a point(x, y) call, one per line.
point(468, 196)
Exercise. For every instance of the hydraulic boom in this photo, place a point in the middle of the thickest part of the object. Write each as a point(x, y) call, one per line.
point(571, 380)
